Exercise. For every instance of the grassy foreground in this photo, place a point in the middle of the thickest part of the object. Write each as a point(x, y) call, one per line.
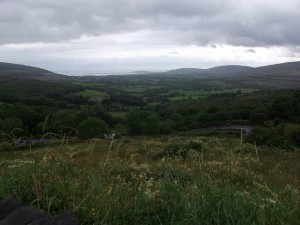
point(195, 180)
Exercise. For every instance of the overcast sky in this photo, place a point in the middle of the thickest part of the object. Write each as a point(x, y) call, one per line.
point(96, 36)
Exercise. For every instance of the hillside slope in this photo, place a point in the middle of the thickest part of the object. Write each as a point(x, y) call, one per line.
point(227, 70)
point(16, 71)
point(284, 75)
point(289, 68)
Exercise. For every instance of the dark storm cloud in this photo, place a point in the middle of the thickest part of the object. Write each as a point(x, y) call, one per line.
point(200, 22)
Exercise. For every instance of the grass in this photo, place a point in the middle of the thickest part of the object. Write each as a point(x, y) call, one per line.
point(140, 181)
point(139, 89)
point(183, 95)
point(93, 94)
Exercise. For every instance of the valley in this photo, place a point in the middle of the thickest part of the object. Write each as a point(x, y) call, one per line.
point(189, 146)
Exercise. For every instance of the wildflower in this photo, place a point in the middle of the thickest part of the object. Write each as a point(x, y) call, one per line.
point(93, 212)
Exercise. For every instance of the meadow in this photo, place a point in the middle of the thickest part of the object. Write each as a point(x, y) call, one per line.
point(157, 180)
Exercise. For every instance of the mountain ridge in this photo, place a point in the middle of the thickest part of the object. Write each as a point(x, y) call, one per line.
point(291, 68)
point(282, 75)
point(19, 71)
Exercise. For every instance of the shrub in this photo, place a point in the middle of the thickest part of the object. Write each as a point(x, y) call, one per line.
point(285, 136)
point(181, 149)
point(258, 118)
point(292, 132)
point(92, 127)
point(5, 146)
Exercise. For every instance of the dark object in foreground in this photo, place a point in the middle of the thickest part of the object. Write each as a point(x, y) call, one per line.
point(13, 213)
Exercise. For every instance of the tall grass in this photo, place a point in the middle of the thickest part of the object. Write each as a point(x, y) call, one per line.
point(193, 189)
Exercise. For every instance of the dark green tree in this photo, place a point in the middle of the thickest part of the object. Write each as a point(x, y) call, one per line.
point(92, 128)
point(143, 123)
point(9, 124)
point(258, 118)
point(284, 107)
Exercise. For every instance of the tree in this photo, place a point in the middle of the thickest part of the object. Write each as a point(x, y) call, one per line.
point(63, 119)
point(92, 127)
point(258, 118)
point(284, 107)
point(8, 124)
point(143, 123)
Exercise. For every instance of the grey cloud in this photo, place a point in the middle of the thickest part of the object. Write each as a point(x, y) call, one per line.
point(244, 22)
point(251, 50)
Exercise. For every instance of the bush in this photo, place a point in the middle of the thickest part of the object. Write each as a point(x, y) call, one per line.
point(286, 136)
point(5, 146)
point(91, 128)
point(195, 145)
point(3, 135)
point(181, 149)
point(292, 132)
point(258, 118)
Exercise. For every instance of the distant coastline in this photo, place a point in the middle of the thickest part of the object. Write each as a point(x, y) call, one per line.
point(120, 72)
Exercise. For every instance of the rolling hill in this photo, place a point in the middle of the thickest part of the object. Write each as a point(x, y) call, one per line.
point(289, 68)
point(284, 75)
point(16, 71)
point(227, 70)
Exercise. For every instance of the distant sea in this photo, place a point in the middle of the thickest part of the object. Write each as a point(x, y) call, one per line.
point(109, 72)
point(105, 73)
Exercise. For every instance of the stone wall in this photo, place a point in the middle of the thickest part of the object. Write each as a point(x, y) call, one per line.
point(12, 212)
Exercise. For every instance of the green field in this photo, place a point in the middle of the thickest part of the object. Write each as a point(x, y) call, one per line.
point(93, 94)
point(164, 180)
point(177, 95)
point(138, 89)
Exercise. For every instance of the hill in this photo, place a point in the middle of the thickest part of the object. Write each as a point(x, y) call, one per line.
point(186, 71)
point(227, 70)
point(16, 71)
point(284, 75)
point(289, 68)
